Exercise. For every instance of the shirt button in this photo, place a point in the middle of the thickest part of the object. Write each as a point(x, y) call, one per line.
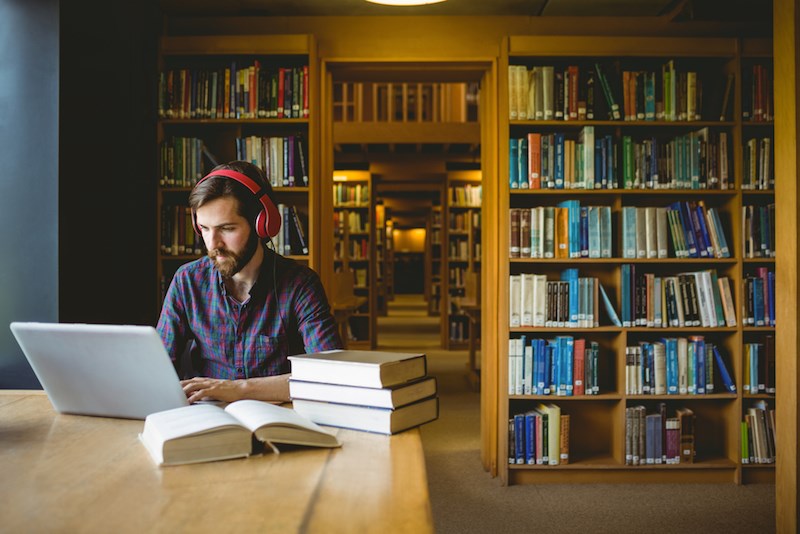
point(238, 369)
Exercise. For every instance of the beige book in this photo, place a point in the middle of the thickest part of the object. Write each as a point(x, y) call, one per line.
point(727, 300)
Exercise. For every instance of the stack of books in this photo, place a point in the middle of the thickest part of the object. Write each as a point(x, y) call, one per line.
point(372, 391)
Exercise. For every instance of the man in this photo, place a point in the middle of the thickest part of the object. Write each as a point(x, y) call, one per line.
point(243, 307)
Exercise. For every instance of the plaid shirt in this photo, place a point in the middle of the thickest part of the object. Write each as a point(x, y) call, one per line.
point(232, 340)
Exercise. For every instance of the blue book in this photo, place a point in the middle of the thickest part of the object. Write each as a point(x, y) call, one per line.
point(771, 292)
point(565, 346)
point(530, 438)
point(758, 300)
point(727, 381)
point(523, 171)
point(700, 366)
point(629, 232)
point(625, 275)
point(547, 171)
point(671, 349)
point(612, 313)
point(701, 219)
point(513, 163)
point(599, 166)
point(686, 228)
point(584, 225)
point(693, 228)
point(542, 366)
point(610, 174)
point(559, 160)
point(649, 96)
point(593, 230)
point(571, 276)
point(524, 369)
point(552, 367)
point(605, 231)
point(654, 177)
point(519, 438)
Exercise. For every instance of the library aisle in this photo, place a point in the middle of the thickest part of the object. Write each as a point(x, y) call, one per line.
point(465, 499)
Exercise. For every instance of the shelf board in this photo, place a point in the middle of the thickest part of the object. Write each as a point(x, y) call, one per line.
point(615, 192)
point(623, 260)
point(607, 462)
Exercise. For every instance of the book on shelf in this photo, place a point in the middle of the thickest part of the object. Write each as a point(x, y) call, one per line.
point(758, 433)
point(561, 366)
point(656, 438)
point(539, 436)
point(388, 397)
point(369, 418)
point(359, 367)
point(208, 432)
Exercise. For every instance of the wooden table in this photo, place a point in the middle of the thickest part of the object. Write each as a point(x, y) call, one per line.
point(69, 473)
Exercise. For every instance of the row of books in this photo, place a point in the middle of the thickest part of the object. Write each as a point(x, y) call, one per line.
point(567, 230)
point(282, 158)
point(354, 249)
point(235, 91)
point(291, 240)
point(675, 366)
point(571, 302)
point(757, 105)
point(694, 231)
point(458, 330)
point(350, 195)
point(467, 195)
point(561, 366)
point(373, 391)
point(758, 231)
point(656, 439)
point(177, 233)
point(182, 161)
point(758, 170)
point(758, 434)
point(698, 298)
point(696, 160)
point(539, 436)
point(459, 221)
point(354, 221)
point(587, 92)
point(759, 367)
point(758, 302)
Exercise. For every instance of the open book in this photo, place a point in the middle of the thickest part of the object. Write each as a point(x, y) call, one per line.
point(206, 432)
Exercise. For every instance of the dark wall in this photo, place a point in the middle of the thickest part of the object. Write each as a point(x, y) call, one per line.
point(29, 179)
point(107, 163)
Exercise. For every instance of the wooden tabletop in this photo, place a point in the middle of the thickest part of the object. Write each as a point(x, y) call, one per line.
point(70, 473)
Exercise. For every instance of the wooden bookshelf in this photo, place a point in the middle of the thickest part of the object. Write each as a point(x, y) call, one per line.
point(190, 125)
point(462, 213)
point(384, 258)
point(597, 422)
point(355, 250)
point(433, 261)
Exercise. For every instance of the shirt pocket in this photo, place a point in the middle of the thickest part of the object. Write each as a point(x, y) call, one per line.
point(271, 355)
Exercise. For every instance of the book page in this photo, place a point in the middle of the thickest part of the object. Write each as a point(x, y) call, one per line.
point(256, 414)
point(189, 420)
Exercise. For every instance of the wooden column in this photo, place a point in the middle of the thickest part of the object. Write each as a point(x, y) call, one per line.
point(785, 43)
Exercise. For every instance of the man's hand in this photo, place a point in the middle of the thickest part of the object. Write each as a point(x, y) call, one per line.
point(267, 388)
point(199, 388)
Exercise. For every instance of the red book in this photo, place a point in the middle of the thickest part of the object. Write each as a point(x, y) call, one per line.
point(281, 89)
point(535, 160)
point(305, 91)
point(573, 92)
point(578, 366)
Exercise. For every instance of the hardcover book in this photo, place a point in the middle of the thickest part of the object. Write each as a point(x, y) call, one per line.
point(390, 397)
point(207, 432)
point(359, 367)
point(369, 418)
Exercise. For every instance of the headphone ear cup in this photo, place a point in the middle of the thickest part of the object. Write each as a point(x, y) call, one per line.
point(261, 225)
point(272, 224)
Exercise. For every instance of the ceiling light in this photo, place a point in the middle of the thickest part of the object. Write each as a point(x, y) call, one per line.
point(405, 2)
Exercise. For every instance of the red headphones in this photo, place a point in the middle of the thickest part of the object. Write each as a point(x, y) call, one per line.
point(268, 220)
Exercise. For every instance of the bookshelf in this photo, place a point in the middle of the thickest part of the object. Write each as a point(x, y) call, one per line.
point(354, 249)
point(597, 426)
point(757, 251)
point(433, 261)
point(384, 257)
point(198, 125)
point(462, 213)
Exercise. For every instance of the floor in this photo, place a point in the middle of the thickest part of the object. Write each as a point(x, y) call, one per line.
point(465, 499)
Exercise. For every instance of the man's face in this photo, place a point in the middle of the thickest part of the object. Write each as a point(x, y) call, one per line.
point(229, 239)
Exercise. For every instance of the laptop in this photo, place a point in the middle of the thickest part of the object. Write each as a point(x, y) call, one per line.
point(104, 370)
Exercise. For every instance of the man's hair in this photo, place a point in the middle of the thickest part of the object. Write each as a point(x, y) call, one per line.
point(216, 187)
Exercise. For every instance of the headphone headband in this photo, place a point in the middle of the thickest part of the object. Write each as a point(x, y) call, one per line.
point(268, 220)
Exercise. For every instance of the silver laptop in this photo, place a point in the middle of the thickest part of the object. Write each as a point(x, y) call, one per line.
point(106, 370)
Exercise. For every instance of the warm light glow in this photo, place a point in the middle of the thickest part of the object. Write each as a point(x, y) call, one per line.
point(405, 2)
point(409, 240)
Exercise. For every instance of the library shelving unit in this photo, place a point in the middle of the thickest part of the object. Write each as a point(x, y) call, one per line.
point(384, 258)
point(462, 252)
point(597, 426)
point(201, 123)
point(433, 261)
point(757, 246)
point(354, 249)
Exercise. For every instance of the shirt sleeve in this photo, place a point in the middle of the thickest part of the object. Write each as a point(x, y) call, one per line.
point(173, 324)
point(315, 322)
